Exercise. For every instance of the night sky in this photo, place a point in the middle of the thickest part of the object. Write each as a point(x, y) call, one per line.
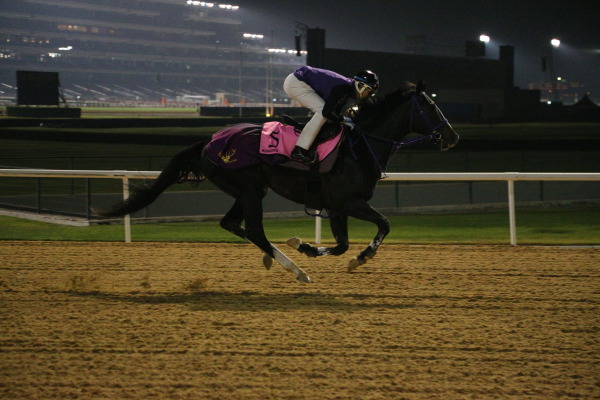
point(382, 25)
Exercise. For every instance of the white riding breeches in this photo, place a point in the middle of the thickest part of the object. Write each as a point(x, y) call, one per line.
point(307, 97)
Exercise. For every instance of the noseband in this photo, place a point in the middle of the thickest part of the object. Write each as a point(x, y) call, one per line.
point(433, 135)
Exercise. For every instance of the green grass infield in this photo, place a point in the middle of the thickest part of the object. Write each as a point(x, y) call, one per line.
point(568, 226)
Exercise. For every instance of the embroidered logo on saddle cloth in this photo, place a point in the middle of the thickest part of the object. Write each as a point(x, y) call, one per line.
point(277, 138)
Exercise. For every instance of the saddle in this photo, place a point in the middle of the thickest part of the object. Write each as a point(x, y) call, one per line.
point(277, 139)
point(313, 204)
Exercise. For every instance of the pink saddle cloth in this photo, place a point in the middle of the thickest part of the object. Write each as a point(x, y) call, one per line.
point(277, 138)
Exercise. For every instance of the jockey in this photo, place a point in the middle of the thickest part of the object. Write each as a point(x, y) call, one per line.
point(329, 95)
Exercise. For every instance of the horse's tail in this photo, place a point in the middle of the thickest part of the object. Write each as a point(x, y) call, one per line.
point(185, 166)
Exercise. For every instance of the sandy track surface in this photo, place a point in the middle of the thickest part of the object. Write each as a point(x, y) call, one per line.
point(203, 321)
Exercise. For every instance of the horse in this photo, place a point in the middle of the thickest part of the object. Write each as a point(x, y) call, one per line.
point(346, 189)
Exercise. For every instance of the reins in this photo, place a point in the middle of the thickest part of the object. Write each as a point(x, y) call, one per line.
point(434, 136)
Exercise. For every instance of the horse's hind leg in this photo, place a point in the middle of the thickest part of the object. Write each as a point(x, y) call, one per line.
point(249, 190)
point(252, 210)
point(339, 228)
point(232, 222)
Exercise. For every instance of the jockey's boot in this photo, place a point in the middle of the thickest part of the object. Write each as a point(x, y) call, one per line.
point(304, 156)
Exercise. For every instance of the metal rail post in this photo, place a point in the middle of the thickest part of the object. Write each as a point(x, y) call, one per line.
point(511, 212)
point(127, 218)
point(318, 228)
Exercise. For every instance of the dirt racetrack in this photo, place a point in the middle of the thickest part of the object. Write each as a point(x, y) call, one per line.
point(202, 321)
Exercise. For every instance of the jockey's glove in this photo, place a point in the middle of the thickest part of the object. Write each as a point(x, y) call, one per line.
point(348, 122)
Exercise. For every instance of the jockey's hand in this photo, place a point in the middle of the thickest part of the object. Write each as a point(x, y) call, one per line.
point(349, 123)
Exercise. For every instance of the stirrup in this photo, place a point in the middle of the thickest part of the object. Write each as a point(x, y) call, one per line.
point(304, 156)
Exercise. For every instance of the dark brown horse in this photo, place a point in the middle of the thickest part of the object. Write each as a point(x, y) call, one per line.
point(345, 190)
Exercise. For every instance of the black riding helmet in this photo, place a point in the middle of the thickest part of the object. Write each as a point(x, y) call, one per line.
point(366, 79)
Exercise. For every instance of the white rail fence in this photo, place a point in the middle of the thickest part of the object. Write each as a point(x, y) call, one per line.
point(67, 173)
point(509, 177)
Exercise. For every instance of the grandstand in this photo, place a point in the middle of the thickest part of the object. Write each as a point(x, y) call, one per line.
point(153, 51)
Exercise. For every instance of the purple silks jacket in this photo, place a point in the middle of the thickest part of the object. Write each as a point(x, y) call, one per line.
point(321, 80)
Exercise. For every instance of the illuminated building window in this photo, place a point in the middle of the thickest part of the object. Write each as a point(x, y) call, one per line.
point(72, 28)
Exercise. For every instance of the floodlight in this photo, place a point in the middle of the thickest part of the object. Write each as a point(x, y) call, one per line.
point(253, 36)
point(211, 5)
point(484, 38)
point(555, 42)
point(286, 51)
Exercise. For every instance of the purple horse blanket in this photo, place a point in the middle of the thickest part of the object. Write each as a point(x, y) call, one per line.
point(243, 145)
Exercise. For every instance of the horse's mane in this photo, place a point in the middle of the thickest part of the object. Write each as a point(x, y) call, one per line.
point(383, 104)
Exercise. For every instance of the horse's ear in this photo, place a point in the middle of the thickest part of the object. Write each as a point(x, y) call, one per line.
point(420, 86)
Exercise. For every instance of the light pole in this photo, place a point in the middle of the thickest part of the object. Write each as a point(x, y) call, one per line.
point(554, 43)
point(247, 36)
point(269, 109)
point(240, 75)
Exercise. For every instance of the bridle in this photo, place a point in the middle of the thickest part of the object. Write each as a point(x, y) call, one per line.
point(433, 135)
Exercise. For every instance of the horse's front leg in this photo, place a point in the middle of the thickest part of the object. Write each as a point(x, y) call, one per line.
point(339, 228)
point(362, 210)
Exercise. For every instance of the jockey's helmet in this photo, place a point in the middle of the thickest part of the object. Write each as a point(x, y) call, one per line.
point(366, 80)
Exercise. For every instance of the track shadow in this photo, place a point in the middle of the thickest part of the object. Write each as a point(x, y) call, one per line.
point(250, 301)
point(257, 302)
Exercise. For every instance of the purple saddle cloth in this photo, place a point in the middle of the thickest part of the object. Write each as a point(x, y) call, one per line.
point(239, 146)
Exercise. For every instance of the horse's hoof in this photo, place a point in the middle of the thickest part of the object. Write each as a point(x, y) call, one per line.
point(353, 264)
point(294, 242)
point(267, 261)
point(304, 278)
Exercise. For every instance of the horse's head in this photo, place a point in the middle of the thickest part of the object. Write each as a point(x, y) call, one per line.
point(407, 110)
point(426, 118)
